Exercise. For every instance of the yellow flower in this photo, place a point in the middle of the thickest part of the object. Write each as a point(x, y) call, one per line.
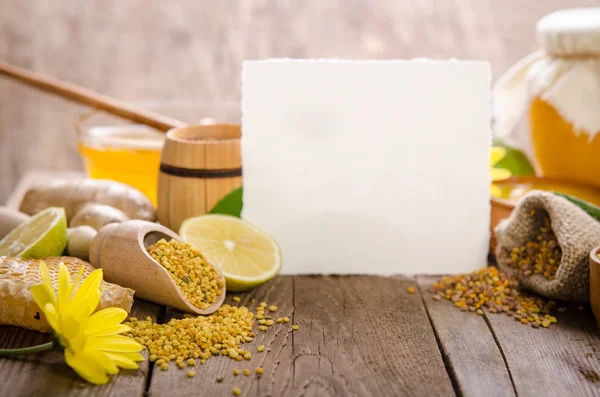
point(497, 174)
point(91, 342)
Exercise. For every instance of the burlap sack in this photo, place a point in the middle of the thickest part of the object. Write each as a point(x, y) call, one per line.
point(577, 233)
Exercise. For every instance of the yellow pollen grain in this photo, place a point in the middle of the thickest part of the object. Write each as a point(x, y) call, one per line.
point(196, 278)
point(196, 338)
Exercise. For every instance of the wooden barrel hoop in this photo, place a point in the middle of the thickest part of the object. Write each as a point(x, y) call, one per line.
point(201, 173)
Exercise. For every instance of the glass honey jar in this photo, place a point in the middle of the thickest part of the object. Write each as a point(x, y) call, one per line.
point(560, 87)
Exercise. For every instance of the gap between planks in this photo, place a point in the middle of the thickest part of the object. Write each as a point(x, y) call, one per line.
point(472, 354)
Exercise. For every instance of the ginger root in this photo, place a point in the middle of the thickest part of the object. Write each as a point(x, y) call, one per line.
point(73, 195)
point(97, 215)
point(9, 219)
point(79, 240)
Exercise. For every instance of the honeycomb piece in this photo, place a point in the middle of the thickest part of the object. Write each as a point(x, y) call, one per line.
point(17, 275)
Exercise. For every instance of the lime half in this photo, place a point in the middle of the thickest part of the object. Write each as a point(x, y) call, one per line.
point(246, 255)
point(44, 235)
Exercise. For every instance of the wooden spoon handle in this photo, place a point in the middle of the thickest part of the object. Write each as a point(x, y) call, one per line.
point(89, 97)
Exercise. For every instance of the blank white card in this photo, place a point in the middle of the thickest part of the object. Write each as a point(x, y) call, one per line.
point(369, 167)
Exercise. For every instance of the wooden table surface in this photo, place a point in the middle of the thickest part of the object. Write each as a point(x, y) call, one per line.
point(193, 49)
point(358, 336)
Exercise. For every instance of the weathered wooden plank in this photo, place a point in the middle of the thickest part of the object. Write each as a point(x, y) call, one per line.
point(559, 361)
point(46, 374)
point(364, 336)
point(470, 351)
point(276, 360)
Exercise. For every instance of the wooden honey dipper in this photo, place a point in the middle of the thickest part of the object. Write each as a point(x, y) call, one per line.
point(88, 97)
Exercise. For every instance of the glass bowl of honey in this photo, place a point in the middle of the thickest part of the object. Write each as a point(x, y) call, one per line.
point(113, 148)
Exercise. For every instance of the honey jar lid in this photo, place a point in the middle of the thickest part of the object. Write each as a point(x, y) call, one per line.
point(572, 32)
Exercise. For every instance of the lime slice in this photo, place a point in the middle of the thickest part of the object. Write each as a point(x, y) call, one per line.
point(246, 255)
point(514, 160)
point(44, 235)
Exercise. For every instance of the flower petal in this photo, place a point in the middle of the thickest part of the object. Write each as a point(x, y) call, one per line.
point(43, 295)
point(105, 319)
point(87, 296)
point(71, 330)
point(52, 317)
point(113, 330)
point(47, 281)
point(103, 360)
point(499, 174)
point(64, 286)
point(497, 153)
point(44, 273)
point(125, 360)
point(77, 279)
point(131, 356)
point(83, 309)
point(114, 343)
point(86, 367)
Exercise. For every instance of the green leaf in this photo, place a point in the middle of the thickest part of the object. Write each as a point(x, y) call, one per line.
point(231, 204)
point(591, 209)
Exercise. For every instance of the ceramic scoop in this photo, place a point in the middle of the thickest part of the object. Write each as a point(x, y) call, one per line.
point(121, 250)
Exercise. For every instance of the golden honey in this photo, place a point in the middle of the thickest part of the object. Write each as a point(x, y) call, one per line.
point(127, 154)
point(560, 151)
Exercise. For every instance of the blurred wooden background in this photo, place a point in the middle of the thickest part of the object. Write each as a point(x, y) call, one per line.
point(193, 49)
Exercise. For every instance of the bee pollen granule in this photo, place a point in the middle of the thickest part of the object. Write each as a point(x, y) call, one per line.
point(195, 277)
point(221, 333)
point(498, 292)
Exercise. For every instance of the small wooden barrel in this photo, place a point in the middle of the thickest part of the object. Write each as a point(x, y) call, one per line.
point(200, 164)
